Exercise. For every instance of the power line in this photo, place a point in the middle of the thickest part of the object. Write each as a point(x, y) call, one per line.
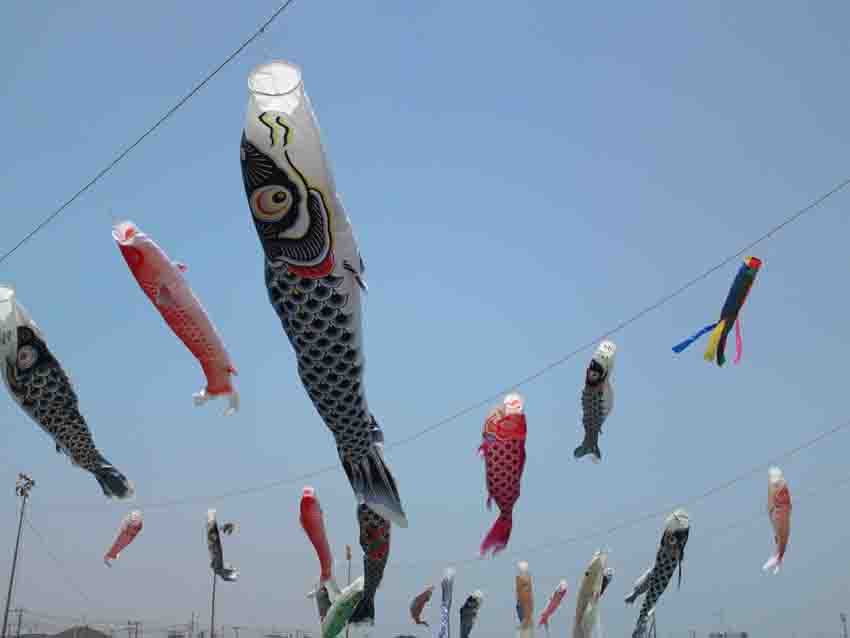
point(709, 534)
point(635, 521)
point(139, 140)
point(522, 382)
point(635, 317)
point(59, 564)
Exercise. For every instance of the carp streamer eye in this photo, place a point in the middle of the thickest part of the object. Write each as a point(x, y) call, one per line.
point(27, 356)
point(270, 203)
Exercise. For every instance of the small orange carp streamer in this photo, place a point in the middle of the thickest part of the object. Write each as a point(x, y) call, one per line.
point(418, 605)
point(131, 525)
point(524, 601)
point(779, 509)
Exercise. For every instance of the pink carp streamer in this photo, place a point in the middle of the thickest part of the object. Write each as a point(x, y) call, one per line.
point(554, 603)
point(131, 525)
point(162, 281)
point(779, 509)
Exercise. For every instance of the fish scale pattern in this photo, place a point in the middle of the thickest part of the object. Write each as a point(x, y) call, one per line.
point(594, 409)
point(447, 587)
point(330, 363)
point(504, 463)
point(375, 543)
point(184, 327)
point(468, 615)
point(666, 562)
point(45, 393)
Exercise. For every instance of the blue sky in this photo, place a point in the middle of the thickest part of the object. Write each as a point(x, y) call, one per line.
point(521, 178)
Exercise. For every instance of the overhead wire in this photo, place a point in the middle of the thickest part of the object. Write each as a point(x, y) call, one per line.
point(710, 534)
point(643, 518)
point(471, 408)
point(189, 500)
point(47, 220)
point(66, 574)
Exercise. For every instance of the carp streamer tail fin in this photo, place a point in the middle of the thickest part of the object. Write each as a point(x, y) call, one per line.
point(498, 536)
point(228, 573)
point(374, 485)
point(199, 398)
point(773, 563)
point(112, 482)
point(364, 613)
point(588, 447)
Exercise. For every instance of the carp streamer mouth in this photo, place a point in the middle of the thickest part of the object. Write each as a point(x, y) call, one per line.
point(11, 375)
point(123, 232)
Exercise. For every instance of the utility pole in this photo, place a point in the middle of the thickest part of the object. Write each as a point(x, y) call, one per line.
point(192, 626)
point(22, 488)
point(348, 558)
point(844, 623)
point(20, 613)
point(212, 614)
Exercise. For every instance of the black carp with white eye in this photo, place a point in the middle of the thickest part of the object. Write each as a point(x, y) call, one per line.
point(653, 582)
point(39, 384)
point(223, 570)
point(469, 613)
point(314, 274)
point(597, 399)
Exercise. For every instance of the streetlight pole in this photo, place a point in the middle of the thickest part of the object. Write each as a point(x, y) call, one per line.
point(348, 558)
point(20, 617)
point(22, 488)
point(212, 615)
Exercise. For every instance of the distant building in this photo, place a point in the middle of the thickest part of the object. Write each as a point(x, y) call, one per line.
point(728, 634)
point(81, 632)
